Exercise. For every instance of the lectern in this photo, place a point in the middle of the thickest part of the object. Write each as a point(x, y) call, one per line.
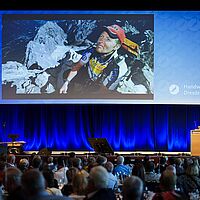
point(100, 145)
point(195, 142)
point(13, 147)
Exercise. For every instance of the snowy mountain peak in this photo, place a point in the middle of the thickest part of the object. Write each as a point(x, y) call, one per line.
point(39, 51)
point(50, 32)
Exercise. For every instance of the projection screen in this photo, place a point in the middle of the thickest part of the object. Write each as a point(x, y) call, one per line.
point(114, 57)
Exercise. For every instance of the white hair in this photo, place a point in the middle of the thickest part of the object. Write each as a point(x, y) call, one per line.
point(120, 160)
point(99, 176)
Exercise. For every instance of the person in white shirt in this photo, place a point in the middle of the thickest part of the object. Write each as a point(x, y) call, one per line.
point(112, 179)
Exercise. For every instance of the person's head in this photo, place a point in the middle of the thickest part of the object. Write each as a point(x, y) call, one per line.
point(37, 161)
point(110, 39)
point(101, 160)
point(163, 160)
point(109, 166)
point(139, 171)
point(178, 161)
point(33, 182)
point(11, 158)
point(171, 168)
point(50, 159)
point(168, 180)
point(11, 179)
point(77, 163)
point(120, 160)
point(71, 172)
point(80, 183)
point(23, 164)
point(150, 166)
point(192, 170)
point(132, 188)
point(99, 177)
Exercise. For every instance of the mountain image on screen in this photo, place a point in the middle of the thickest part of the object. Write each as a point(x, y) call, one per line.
point(38, 55)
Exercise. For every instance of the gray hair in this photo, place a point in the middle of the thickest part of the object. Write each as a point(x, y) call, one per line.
point(33, 181)
point(120, 160)
point(132, 188)
point(99, 176)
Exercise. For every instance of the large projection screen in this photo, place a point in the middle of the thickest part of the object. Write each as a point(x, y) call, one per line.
point(148, 57)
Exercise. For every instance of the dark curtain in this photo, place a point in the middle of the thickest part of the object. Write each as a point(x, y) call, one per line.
point(126, 127)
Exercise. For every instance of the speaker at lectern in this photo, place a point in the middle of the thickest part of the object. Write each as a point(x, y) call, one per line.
point(195, 142)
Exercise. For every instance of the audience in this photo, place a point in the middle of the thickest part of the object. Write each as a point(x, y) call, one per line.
point(98, 180)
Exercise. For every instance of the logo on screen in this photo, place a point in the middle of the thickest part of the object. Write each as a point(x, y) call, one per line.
point(174, 89)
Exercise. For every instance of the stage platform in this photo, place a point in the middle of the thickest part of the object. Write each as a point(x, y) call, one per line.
point(126, 153)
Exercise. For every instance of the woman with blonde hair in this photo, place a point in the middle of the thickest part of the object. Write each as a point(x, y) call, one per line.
point(79, 185)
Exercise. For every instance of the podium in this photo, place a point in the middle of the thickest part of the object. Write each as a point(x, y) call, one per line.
point(13, 147)
point(195, 142)
point(101, 145)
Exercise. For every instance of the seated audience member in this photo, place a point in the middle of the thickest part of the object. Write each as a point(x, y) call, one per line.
point(77, 163)
point(67, 188)
point(60, 174)
point(12, 184)
point(139, 171)
point(79, 185)
point(50, 184)
point(50, 164)
point(171, 168)
point(167, 187)
point(36, 162)
point(23, 164)
point(120, 168)
point(161, 165)
point(145, 161)
point(98, 185)
point(150, 175)
point(72, 155)
point(33, 183)
point(179, 167)
point(112, 180)
point(132, 188)
point(151, 178)
point(11, 160)
point(101, 160)
point(91, 163)
point(190, 181)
